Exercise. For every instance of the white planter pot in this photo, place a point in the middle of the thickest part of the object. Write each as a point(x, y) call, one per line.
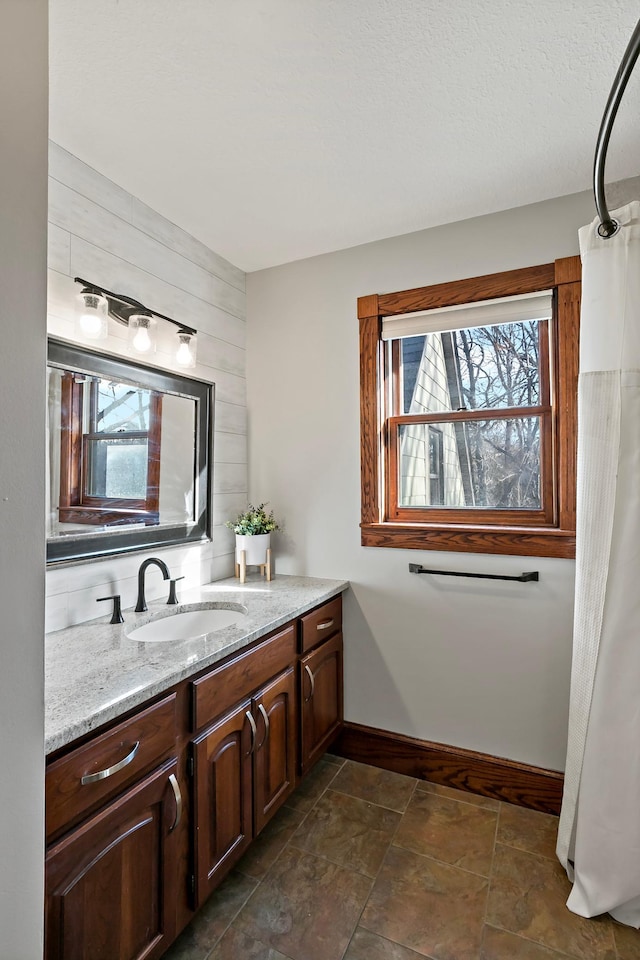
point(255, 548)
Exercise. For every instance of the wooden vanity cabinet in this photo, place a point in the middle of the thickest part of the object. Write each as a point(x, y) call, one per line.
point(223, 750)
point(84, 779)
point(111, 882)
point(321, 700)
point(222, 797)
point(244, 766)
point(274, 765)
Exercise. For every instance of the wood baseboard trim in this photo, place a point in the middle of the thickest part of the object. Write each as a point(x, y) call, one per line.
point(481, 773)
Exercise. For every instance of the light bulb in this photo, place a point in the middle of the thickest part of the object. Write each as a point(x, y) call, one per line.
point(91, 315)
point(91, 323)
point(142, 337)
point(185, 354)
point(142, 340)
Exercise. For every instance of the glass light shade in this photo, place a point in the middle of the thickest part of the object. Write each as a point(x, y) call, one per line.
point(186, 352)
point(91, 316)
point(142, 334)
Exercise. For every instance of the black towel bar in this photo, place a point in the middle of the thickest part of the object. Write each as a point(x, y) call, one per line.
point(523, 578)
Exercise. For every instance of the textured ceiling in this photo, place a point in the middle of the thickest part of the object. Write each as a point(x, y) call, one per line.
point(278, 129)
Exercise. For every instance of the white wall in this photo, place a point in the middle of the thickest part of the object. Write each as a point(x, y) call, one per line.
point(475, 664)
point(101, 233)
point(23, 223)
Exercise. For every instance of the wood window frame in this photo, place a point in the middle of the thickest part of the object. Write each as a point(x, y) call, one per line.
point(547, 534)
point(75, 505)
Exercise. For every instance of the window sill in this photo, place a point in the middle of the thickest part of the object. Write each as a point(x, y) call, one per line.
point(100, 516)
point(468, 538)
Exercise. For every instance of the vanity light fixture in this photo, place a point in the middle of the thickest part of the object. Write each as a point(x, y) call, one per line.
point(96, 305)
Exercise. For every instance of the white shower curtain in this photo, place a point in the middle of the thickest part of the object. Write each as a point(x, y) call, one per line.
point(599, 834)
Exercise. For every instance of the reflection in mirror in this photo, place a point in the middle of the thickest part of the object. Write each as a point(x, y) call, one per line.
point(127, 455)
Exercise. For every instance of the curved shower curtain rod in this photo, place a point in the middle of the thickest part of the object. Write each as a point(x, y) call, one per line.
point(608, 226)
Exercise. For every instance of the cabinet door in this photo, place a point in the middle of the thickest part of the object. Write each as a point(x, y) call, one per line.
point(321, 697)
point(222, 796)
point(111, 882)
point(274, 709)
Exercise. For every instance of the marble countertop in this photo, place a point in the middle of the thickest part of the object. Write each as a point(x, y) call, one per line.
point(94, 672)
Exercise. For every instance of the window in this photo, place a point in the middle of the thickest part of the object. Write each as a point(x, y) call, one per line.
point(112, 435)
point(468, 407)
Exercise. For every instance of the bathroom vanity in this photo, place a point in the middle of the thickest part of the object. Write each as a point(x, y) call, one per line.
point(167, 758)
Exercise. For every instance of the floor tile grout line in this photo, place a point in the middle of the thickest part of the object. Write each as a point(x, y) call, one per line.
point(326, 786)
point(537, 943)
point(259, 880)
point(287, 846)
point(336, 863)
point(241, 907)
point(468, 803)
point(493, 856)
point(368, 803)
point(384, 806)
point(443, 863)
point(532, 853)
point(374, 880)
point(371, 880)
point(527, 853)
point(483, 932)
point(478, 809)
point(286, 843)
point(396, 943)
point(254, 939)
point(422, 956)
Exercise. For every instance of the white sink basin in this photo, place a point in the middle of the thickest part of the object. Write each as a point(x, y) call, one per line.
point(190, 625)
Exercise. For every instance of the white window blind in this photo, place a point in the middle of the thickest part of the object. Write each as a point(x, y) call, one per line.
point(484, 313)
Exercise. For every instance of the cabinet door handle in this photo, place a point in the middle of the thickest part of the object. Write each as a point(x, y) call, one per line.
point(109, 771)
point(265, 717)
point(325, 624)
point(254, 731)
point(312, 680)
point(175, 786)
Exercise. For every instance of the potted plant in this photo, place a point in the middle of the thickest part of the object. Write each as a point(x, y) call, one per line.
point(253, 529)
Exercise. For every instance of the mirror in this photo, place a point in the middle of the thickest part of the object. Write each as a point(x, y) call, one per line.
point(128, 455)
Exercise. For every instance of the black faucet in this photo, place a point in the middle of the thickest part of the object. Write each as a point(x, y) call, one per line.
point(141, 605)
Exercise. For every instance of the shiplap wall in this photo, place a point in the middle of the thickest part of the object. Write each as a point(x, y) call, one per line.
point(100, 232)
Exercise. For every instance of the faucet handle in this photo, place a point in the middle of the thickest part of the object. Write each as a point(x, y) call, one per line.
point(173, 596)
point(116, 616)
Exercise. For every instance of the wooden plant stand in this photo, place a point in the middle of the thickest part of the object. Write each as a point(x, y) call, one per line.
point(265, 568)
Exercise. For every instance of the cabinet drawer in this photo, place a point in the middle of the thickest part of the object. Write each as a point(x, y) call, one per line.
point(321, 623)
point(225, 686)
point(108, 763)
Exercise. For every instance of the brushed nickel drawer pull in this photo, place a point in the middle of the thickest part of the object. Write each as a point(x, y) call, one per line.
point(109, 771)
point(325, 624)
point(175, 786)
point(312, 679)
point(254, 731)
point(265, 717)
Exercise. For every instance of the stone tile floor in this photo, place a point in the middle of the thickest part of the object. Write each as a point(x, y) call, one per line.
point(363, 864)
